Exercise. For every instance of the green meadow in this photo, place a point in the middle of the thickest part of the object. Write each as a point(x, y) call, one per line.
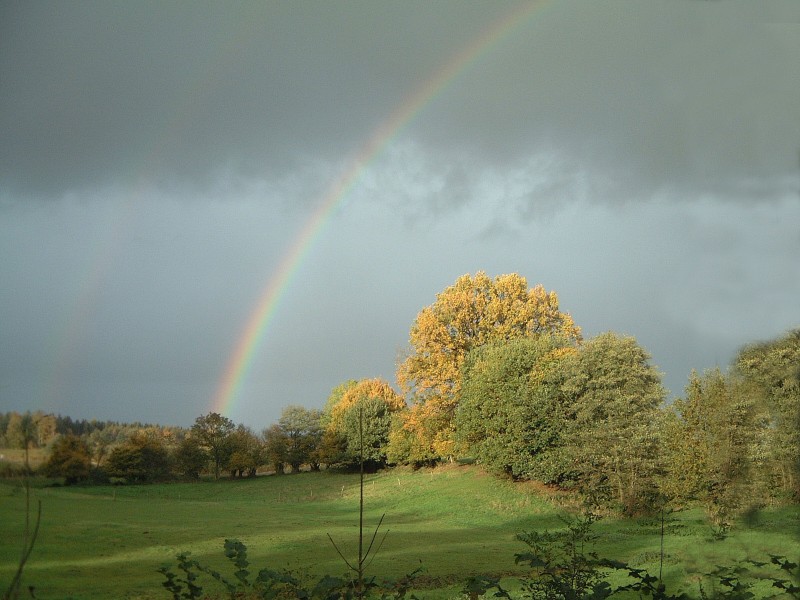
point(108, 542)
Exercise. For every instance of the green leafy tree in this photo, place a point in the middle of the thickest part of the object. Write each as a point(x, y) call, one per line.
point(770, 375)
point(707, 441)
point(613, 393)
point(141, 459)
point(303, 435)
point(275, 448)
point(510, 417)
point(190, 458)
point(367, 423)
point(472, 312)
point(69, 458)
point(213, 431)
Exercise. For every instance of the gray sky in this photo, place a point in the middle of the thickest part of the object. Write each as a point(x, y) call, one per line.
point(158, 161)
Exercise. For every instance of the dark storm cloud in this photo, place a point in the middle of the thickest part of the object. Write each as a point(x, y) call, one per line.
point(639, 158)
point(640, 97)
point(645, 97)
point(95, 92)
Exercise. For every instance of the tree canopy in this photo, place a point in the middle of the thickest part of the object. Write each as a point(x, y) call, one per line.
point(141, 459)
point(213, 432)
point(706, 447)
point(770, 373)
point(472, 312)
point(614, 392)
point(468, 314)
point(362, 418)
point(69, 458)
point(509, 417)
point(303, 432)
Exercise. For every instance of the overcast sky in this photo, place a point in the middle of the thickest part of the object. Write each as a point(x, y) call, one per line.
point(158, 160)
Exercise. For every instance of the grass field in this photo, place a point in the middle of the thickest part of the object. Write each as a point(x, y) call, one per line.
point(107, 542)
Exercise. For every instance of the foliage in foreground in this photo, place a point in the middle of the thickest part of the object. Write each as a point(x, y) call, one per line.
point(184, 581)
point(563, 566)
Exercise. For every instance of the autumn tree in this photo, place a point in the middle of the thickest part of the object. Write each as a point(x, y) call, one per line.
point(45, 428)
point(613, 393)
point(362, 419)
point(245, 453)
point(510, 417)
point(333, 399)
point(69, 458)
point(470, 313)
point(213, 432)
point(275, 447)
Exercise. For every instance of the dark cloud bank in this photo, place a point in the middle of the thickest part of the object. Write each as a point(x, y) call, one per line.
point(157, 160)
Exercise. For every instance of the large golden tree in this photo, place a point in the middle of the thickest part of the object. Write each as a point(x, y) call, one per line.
point(468, 314)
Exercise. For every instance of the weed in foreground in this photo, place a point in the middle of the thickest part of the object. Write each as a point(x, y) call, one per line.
point(563, 567)
point(28, 539)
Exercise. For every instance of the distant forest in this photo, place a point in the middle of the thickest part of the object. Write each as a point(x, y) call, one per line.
point(50, 425)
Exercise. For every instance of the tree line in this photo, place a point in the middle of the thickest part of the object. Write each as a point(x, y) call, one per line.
point(37, 429)
point(497, 373)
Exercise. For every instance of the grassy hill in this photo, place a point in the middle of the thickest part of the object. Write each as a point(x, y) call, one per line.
point(107, 542)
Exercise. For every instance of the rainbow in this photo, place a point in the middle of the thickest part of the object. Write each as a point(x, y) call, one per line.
point(246, 347)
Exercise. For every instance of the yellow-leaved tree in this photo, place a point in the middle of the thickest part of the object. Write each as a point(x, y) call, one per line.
point(359, 423)
point(475, 310)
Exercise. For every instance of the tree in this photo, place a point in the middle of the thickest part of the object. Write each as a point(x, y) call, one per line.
point(213, 432)
point(275, 447)
point(190, 458)
point(333, 399)
point(69, 458)
point(364, 413)
point(770, 374)
point(141, 459)
point(303, 434)
point(246, 453)
point(45, 428)
point(470, 313)
point(707, 440)
point(509, 417)
point(100, 442)
point(613, 393)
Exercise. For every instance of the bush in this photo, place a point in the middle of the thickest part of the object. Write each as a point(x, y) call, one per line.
point(142, 459)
